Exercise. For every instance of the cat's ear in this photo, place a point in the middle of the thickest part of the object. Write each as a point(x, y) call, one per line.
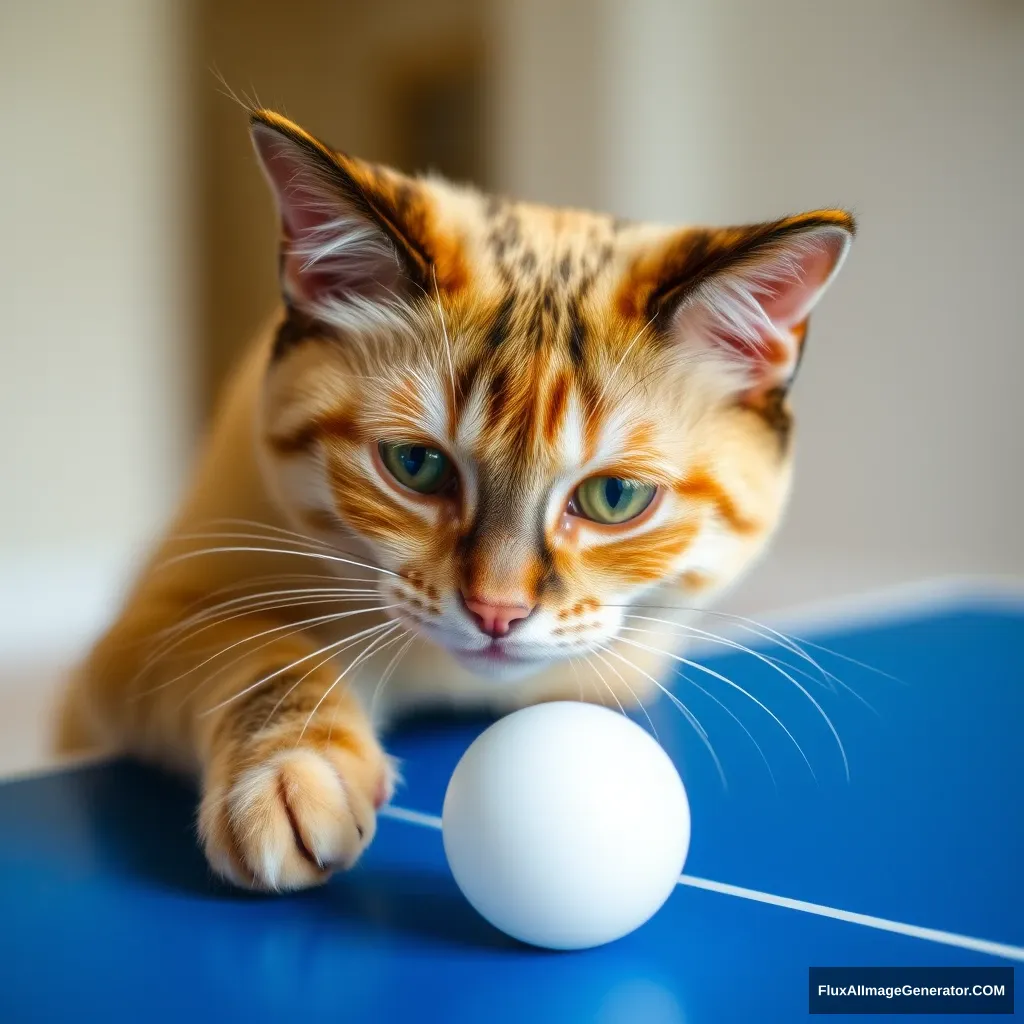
point(740, 297)
point(349, 241)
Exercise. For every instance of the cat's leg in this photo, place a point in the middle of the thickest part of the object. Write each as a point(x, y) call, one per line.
point(290, 768)
point(290, 788)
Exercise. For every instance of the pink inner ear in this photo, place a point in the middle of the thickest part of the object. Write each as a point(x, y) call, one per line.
point(330, 251)
point(805, 273)
point(290, 180)
point(749, 313)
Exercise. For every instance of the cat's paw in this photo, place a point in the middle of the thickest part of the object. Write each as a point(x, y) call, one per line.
point(289, 820)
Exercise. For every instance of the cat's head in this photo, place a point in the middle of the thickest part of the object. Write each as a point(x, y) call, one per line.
point(529, 416)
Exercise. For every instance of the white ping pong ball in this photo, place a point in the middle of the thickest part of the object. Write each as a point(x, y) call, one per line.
point(566, 825)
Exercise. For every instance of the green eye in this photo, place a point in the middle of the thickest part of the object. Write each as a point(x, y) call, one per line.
point(418, 467)
point(612, 500)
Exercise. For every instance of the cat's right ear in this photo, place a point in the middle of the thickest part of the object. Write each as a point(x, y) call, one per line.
point(738, 299)
point(347, 246)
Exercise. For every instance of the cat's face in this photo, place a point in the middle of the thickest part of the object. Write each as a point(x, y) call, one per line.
point(529, 417)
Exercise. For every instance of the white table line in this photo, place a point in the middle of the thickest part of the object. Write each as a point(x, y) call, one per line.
point(867, 920)
point(412, 817)
point(999, 949)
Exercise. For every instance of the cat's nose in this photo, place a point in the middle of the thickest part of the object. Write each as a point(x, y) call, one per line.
point(492, 617)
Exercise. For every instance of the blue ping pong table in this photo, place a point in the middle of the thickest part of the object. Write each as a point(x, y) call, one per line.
point(108, 912)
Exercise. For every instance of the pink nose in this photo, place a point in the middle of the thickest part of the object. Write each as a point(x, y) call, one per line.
point(495, 619)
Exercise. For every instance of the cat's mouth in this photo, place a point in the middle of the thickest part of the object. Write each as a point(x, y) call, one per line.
point(499, 658)
point(495, 653)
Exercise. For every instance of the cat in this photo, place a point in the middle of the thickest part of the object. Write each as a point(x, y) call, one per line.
point(477, 448)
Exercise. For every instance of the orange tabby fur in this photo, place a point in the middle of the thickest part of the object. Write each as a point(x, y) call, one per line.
point(535, 347)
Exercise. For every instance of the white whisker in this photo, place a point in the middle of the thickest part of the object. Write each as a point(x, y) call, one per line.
point(792, 643)
point(178, 640)
point(798, 643)
point(364, 657)
point(389, 670)
point(335, 649)
point(270, 598)
point(852, 661)
point(272, 551)
point(300, 625)
point(254, 581)
point(767, 633)
point(298, 595)
point(606, 685)
point(298, 682)
point(256, 524)
point(622, 679)
point(687, 713)
point(353, 664)
point(273, 675)
point(576, 673)
point(767, 661)
point(184, 634)
point(447, 340)
point(732, 715)
point(270, 538)
point(828, 679)
point(836, 682)
point(723, 679)
point(294, 627)
point(629, 348)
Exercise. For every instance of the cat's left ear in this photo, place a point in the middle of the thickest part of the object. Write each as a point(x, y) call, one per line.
point(356, 238)
point(740, 297)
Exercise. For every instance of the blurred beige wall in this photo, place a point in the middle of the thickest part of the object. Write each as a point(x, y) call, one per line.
point(94, 405)
point(911, 428)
